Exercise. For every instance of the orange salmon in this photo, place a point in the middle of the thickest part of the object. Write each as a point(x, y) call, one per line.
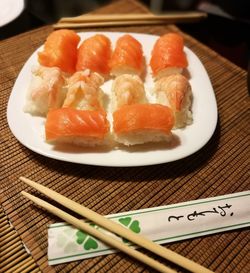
point(94, 54)
point(168, 52)
point(69, 122)
point(128, 53)
point(60, 50)
point(143, 116)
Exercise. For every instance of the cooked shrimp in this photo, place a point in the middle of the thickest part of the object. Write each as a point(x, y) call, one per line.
point(127, 89)
point(46, 90)
point(84, 92)
point(175, 91)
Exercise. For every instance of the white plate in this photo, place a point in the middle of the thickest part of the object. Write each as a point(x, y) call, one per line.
point(10, 10)
point(29, 130)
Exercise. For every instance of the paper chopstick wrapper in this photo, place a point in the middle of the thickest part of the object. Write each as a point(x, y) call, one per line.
point(162, 224)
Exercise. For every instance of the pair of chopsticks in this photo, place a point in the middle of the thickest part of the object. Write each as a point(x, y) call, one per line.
point(128, 19)
point(112, 227)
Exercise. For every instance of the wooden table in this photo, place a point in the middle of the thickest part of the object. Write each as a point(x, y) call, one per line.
point(220, 167)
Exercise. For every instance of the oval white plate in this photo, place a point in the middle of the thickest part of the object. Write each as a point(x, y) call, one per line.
point(29, 130)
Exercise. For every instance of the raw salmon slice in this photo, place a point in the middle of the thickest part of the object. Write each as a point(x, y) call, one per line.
point(72, 123)
point(127, 56)
point(143, 116)
point(168, 52)
point(60, 50)
point(94, 54)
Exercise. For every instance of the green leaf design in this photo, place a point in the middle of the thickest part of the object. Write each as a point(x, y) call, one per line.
point(135, 226)
point(125, 221)
point(90, 244)
point(81, 236)
point(87, 241)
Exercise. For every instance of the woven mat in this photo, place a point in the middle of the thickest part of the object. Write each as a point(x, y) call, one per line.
point(220, 167)
point(14, 257)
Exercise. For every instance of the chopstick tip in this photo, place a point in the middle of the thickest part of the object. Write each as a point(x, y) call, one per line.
point(27, 181)
point(24, 193)
point(24, 179)
point(28, 195)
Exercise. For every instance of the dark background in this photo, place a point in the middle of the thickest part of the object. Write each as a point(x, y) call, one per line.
point(226, 30)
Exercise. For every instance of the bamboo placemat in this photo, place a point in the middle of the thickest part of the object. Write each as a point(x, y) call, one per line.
point(220, 167)
point(14, 256)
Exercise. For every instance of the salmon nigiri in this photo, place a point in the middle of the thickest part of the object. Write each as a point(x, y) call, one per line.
point(176, 92)
point(127, 89)
point(94, 54)
point(60, 50)
point(168, 56)
point(81, 127)
point(127, 57)
point(141, 123)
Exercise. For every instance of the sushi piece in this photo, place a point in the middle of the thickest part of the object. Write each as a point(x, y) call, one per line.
point(127, 57)
point(142, 123)
point(168, 56)
point(127, 89)
point(46, 90)
point(60, 50)
point(80, 127)
point(84, 91)
point(82, 120)
point(87, 76)
point(176, 92)
point(94, 54)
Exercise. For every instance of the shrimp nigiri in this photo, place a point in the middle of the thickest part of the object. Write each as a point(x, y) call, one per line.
point(83, 91)
point(127, 57)
point(94, 54)
point(176, 92)
point(81, 127)
point(141, 123)
point(46, 90)
point(168, 56)
point(60, 50)
point(127, 89)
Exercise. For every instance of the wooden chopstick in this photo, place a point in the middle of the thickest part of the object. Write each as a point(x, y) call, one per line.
point(99, 235)
point(135, 17)
point(118, 229)
point(128, 19)
point(106, 24)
